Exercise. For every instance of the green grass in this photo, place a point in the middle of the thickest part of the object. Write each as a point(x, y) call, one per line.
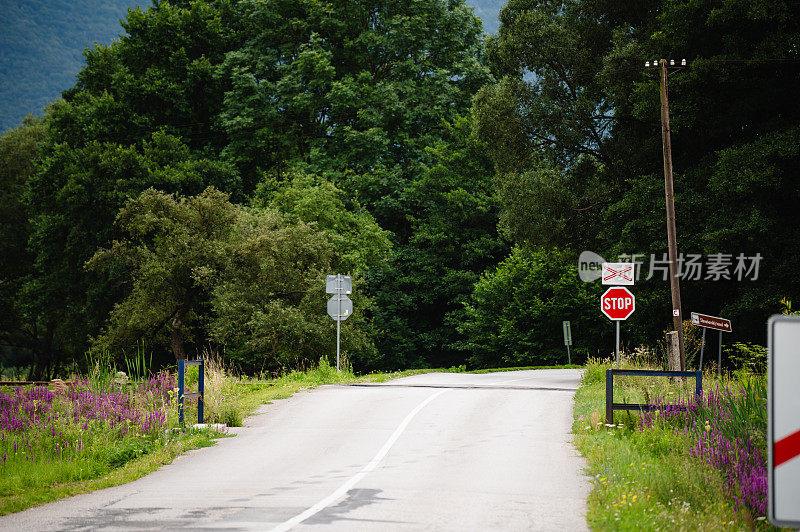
point(646, 479)
point(23, 488)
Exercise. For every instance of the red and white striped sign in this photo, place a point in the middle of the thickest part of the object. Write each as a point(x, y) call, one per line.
point(618, 273)
point(783, 407)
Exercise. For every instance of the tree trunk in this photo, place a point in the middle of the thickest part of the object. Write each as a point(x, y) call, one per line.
point(175, 339)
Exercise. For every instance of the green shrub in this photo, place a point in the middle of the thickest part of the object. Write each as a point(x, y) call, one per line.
point(515, 314)
point(749, 357)
point(595, 371)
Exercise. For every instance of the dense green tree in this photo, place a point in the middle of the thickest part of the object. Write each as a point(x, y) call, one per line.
point(21, 334)
point(514, 315)
point(175, 247)
point(159, 76)
point(359, 245)
point(235, 94)
point(574, 128)
point(73, 199)
point(355, 89)
point(358, 241)
point(342, 86)
point(43, 43)
point(419, 293)
point(204, 268)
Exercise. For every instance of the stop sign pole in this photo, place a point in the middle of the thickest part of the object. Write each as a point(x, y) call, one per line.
point(617, 303)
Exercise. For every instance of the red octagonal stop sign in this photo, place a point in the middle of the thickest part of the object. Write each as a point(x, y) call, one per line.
point(617, 303)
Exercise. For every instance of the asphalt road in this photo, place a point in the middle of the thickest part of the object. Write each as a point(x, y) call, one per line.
point(429, 452)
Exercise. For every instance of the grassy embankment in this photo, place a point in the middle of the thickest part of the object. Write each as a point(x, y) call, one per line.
point(699, 467)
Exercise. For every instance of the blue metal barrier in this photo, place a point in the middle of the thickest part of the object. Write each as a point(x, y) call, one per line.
point(182, 364)
point(611, 405)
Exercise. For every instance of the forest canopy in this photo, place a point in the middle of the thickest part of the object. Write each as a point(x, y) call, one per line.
point(207, 170)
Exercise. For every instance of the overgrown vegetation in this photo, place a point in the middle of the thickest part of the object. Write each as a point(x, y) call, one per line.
point(63, 441)
point(692, 464)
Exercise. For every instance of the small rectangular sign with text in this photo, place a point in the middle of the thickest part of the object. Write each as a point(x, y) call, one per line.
point(567, 333)
point(711, 322)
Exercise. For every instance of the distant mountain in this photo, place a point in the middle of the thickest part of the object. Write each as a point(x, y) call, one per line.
point(41, 47)
point(42, 43)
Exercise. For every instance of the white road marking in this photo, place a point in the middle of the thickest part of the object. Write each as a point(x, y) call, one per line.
point(344, 488)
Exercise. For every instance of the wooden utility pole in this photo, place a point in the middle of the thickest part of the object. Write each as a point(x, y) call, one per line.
point(674, 282)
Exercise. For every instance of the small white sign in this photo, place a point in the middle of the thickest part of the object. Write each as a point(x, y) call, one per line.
point(618, 273)
point(567, 333)
point(783, 432)
point(339, 284)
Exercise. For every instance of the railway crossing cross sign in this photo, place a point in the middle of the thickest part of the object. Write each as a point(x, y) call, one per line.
point(783, 413)
point(618, 273)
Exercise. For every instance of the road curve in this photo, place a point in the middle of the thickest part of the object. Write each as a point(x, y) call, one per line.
point(438, 451)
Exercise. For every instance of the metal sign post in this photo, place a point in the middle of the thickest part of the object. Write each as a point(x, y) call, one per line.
point(340, 307)
point(783, 414)
point(702, 348)
point(567, 339)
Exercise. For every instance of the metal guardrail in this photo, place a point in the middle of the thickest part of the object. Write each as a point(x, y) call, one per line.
point(182, 364)
point(611, 405)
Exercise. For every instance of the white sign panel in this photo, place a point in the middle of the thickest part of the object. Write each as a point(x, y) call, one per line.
point(783, 433)
point(338, 284)
point(618, 273)
point(567, 333)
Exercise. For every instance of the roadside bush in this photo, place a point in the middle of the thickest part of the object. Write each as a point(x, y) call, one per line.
point(689, 465)
point(748, 357)
point(727, 428)
point(515, 314)
point(595, 371)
